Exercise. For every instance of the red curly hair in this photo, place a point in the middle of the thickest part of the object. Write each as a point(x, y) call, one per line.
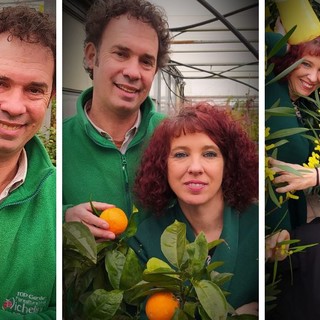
point(295, 53)
point(240, 181)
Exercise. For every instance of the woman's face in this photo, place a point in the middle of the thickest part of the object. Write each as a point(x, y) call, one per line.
point(195, 169)
point(305, 78)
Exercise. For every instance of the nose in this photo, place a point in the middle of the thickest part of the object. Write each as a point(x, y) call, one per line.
point(314, 75)
point(12, 102)
point(195, 166)
point(132, 69)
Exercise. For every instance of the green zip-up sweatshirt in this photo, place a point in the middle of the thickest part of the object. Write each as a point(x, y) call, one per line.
point(28, 242)
point(93, 167)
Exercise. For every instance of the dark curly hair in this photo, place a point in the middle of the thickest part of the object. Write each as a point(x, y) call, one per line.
point(102, 11)
point(240, 180)
point(31, 26)
point(295, 53)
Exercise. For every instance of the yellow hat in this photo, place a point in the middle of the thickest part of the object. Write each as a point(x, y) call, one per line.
point(301, 14)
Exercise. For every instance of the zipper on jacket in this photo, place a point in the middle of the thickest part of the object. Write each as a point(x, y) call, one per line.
point(126, 179)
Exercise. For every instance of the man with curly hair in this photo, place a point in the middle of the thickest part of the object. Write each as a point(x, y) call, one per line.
point(27, 177)
point(126, 43)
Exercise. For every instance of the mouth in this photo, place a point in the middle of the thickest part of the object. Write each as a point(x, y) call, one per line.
point(195, 186)
point(10, 126)
point(128, 89)
point(307, 85)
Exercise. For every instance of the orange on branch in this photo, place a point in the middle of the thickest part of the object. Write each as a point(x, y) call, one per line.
point(161, 306)
point(116, 219)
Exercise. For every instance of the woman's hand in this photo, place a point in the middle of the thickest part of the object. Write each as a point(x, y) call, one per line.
point(83, 213)
point(249, 308)
point(306, 179)
point(274, 250)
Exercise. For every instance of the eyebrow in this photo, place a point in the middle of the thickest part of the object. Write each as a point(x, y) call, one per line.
point(37, 84)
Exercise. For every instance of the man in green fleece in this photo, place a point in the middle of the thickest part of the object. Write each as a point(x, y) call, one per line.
point(126, 43)
point(27, 177)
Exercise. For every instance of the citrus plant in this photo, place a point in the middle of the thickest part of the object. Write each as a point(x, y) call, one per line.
point(106, 280)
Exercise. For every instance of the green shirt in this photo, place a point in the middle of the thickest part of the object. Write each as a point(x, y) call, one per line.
point(296, 150)
point(28, 242)
point(93, 167)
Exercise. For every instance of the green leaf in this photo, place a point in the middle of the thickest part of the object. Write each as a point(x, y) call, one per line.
point(281, 111)
point(220, 278)
point(285, 72)
point(156, 263)
point(281, 43)
point(102, 304)
point(132, 225)
point(285, 133)
point(162, 276)
point(272, 194)
point(132, 271)
point(77, 236)
point(211, 298)
point(137, 293)
point(173, 243)
point(289, 169)
point(198, 253)
point(214, 265)
point(215, 243)
point(180, 315)
point(95, 210)
point(190, 308)
point(114, 262)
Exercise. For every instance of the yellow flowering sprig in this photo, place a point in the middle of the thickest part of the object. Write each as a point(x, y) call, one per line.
point(314, 159)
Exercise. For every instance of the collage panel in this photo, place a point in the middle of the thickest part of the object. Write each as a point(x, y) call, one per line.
point(137, 197)
point(292, 79)
point(160, 159)
point(27, 160)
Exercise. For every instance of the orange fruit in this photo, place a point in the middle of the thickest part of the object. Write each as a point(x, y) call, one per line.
point(116, 219)
point(161, 306)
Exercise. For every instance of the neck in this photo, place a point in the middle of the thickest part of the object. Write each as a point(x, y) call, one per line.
point(8, 169)
point(207, 218)
point(115, 124)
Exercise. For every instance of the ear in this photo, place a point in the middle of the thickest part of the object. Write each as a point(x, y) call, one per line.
point(90, 53)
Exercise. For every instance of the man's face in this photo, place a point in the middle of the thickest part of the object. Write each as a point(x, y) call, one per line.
point(26, 78)
point(124, 66)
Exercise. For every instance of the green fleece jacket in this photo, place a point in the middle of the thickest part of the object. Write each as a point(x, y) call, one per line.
point(93, 167)
point(239, 254)
point(28, 242)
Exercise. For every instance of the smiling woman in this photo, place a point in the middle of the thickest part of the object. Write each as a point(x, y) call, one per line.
point(201, 168)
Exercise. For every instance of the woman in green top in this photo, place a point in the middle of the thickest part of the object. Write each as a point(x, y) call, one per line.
point(201, 168)
point(302, 81)
point(298, 299)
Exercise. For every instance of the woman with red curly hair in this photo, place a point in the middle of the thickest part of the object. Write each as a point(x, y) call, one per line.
point(290, 91)
point(298, 296)
point(201, 168)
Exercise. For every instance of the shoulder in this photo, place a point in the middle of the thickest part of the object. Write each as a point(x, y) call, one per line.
point(149, 111)
point(250, 217)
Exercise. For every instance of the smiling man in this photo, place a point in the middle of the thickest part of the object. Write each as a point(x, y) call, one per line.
point(27, 177)
point(126, 43)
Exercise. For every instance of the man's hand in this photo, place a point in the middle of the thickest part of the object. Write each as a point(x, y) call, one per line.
point(83, 213)
point(274, 250)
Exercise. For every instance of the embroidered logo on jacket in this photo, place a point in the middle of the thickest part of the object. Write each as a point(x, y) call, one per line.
point(25, 303)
